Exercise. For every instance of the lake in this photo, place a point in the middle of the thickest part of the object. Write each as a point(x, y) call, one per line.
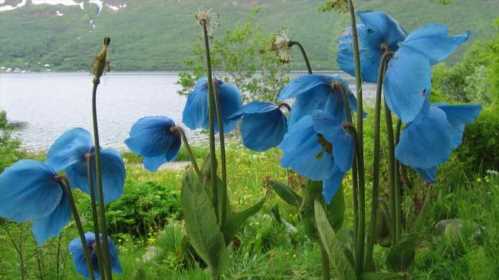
point(51, 103)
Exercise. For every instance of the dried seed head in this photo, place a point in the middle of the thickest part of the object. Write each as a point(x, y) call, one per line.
point(280, 45)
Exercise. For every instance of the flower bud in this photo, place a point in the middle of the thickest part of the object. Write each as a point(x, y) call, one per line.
point(100, 63)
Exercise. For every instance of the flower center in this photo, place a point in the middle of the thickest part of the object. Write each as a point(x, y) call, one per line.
point(326, 146)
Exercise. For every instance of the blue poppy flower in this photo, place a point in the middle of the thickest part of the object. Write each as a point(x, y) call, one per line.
point(31, 191)
point(377, 32)
point(263, 125)
point(317, 92)
point(429, 140)
point(153, 138)
point(77, 252)
point(68, 154)
point(408, 75)
point(319, 148)
point(196, 110)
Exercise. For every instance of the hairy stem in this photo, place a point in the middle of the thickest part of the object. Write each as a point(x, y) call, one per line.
point(211, 119)
point(391, 175)
point(360, 138)
point(64, 183)
point(189, 150)
point(100, 190)
point(369, 263)
point(95, 213)
point(304, 54)
point(221, 137)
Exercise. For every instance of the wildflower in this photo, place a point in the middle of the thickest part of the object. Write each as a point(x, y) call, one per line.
point(408, 75)
point(196, 110)
point(317, 92)
point(430, 139)
point(280, 45)
point(69, 154)
point(155, 139)
point(319, 148)
point(77, 252)
point(31, 191)
point(263, 125)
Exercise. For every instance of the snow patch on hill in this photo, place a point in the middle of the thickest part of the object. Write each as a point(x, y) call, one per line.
point(5, 7)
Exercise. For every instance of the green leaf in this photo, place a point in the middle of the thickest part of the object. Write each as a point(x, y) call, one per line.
point(286, 193)
point(336, 210)
point(336, 252)
point(236, 220)
point(201, 224)
point(401, 255)
point(384, 276)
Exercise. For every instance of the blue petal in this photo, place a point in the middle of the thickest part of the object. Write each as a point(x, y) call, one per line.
point(407, 83)
point(426, 142)
point(196, 110)
point(115, 262)
point(151, 136)
point(303, 153)
point(69, 148)
point(52, 225)
point(262, 131)
point(429, 174)
point(28, 190)
point(382, 28)
point(77, 252)
point(434, 42)
point(255, 107)
point(341, 140)
point(153, 163)
point(458, 116)
point(113, 175)
point(195, 113)
point(305, 104)
point(331, 185)
point(304, 84)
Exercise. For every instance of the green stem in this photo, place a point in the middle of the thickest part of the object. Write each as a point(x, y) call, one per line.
point(391, 175)
point(221, 136)
point(376, 164)
point(64, 183)
point(304, 54)
point(100, 190)
point(211, 119)
point(360, 137)
point(189, 150)
point(326, 267)
point(95, 217)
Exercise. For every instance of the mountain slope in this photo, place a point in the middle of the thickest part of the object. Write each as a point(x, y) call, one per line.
point(158, 34)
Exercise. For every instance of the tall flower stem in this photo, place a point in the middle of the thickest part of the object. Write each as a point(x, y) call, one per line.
point(65, 184)
point(211, 118)
point(95, 213)
point(360, 138)
point(392, 173)
point(376, 164)
point(98, 176)
point(221, 136)
point(303, 52)
point(180, 131)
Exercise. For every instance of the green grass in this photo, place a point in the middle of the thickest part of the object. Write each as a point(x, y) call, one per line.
point(159, 34)
point(268, 249)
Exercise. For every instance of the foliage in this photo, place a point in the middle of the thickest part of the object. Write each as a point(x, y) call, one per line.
point(9, 147)
point(157, 34)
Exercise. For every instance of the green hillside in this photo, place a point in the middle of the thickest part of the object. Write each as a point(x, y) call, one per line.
point(158, 34)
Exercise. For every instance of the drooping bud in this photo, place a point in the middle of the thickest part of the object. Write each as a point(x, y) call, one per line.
point(101, 63)
point(280, 45)
point(203, 17)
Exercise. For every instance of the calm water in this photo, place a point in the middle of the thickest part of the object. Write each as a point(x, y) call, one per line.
point(49, 104)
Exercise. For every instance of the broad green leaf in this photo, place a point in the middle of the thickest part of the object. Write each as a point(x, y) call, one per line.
point(342, 267)
point(311, 192)
point(401, 255)
point(236, 220)
point(286, 193)
point(384, 276)
point(201, 223)
point(336, 210)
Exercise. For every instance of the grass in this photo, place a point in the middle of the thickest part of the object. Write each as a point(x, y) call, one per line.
point(269, 249)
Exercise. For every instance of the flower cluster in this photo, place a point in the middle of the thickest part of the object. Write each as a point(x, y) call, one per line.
point(432, 131)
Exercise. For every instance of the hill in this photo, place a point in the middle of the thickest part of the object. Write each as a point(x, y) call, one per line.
point(158, 34)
